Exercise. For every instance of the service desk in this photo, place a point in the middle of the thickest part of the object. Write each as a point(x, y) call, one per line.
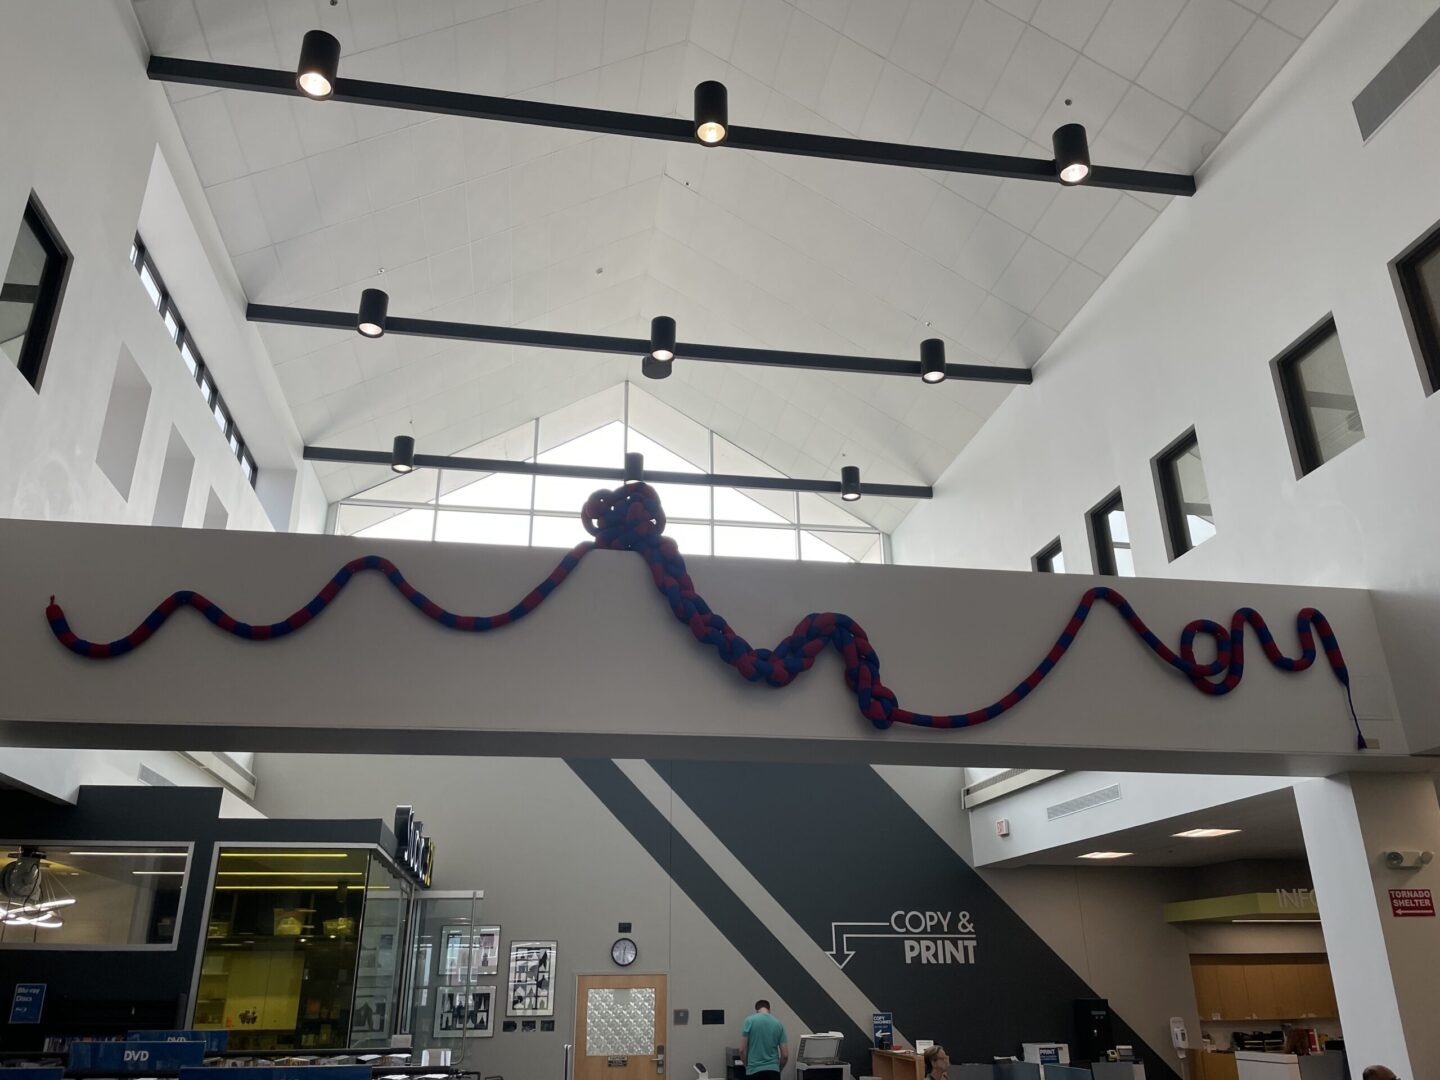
point(897, 1065)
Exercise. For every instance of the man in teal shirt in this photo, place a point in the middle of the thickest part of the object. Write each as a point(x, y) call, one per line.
point(762, 1044)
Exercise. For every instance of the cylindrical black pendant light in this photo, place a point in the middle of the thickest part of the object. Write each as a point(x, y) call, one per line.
point(850, 483)
point(662, 338)
point(319, 64)
point(1072, 154)
point(932, 360)
point(655, 369)
point(374, 303)
point(634, 467)
point(402, 454)
point(712, 113)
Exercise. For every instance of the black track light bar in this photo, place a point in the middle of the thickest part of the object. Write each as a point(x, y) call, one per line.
point(667, 128)
point(319, 318)
point(594, 472)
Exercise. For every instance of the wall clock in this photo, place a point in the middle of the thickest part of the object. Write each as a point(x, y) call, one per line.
point(623, 952)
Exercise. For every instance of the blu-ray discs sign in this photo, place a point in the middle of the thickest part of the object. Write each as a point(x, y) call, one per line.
point(415, 852)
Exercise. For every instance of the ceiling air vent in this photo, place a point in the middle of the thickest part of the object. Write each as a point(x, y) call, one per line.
point(1083, 802)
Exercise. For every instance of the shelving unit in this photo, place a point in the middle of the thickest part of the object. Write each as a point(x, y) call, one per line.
point(1271, 987)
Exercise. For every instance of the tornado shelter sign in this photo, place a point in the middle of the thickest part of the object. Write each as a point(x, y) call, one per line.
point(1412, 903)
point(914, 937)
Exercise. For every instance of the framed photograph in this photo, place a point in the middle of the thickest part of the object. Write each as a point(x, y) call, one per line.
point(531, 990)
point(468, 952)
point(464, 1012)
point(369, 1017)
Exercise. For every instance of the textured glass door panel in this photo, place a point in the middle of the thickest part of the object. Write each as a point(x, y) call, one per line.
point(620, 1023)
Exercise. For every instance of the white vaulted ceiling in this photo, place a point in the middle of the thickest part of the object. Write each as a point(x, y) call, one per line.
point(484, 222)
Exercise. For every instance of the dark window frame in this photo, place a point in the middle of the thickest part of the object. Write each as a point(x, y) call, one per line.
point(1421, 313)
point(45, 315)
point(1304, 443)
point(1102, 543)
point(1171, 498)
point(204, 378)
point(1043, 561)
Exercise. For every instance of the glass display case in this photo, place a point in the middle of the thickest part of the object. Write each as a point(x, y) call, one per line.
point(300, 947)
point(452, 990)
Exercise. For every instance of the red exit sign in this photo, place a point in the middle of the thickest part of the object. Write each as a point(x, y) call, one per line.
point(1408, 903)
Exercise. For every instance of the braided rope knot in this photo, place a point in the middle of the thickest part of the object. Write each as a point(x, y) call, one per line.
point(627, 519)
point(630, 518)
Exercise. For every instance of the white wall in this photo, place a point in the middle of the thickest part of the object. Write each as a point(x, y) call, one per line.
point(97, 143)
point(1294, 219)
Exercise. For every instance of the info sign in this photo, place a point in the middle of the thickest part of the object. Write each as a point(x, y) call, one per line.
point(1412, 903)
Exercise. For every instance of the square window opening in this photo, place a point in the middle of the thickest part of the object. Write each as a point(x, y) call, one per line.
point(1320, 406)
point(30, 295)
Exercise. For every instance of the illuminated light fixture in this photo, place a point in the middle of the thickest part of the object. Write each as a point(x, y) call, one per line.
point(1204, 834)
point(1274, 920)
point(1072, 154)
point(402, 454)
point(1107, 855)
point(634, 467)
point(655, 369)
point(712, 113)
point(135, 854)
point(319, 64)
point(850, 483)
point(374, 303)
point(287, 888)
point(932, 360)
point(158, 873)
point(662, 338)
point(280, 854)
point(292, 873)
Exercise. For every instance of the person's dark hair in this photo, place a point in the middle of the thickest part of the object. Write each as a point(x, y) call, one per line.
point(1377, 1072)
point(931, 1053)
point(761, 1004)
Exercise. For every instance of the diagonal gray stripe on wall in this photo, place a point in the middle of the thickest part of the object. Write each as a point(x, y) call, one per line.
point(838, 845)
point(740, 926)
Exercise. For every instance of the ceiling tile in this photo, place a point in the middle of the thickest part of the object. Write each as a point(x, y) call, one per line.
point(895, 106)
point(338, 177)
point(1299, 17)
point(759, 37)
point(1116, 235)
point(237, 213)
point(1034, 72)
point(1070, 21)
point(1246, 71)
point(266, 129)
point(987, 251)
point(875, 25)
point(805, 60)
point(1075, 285)
point(927, 35)
point(1135, 130)
point(1128, 33)
point(1021, 9)
point(322, 125)
point(242, 35)
point(849, 84)
point(992, 327)
point(171, 29)
point(714, 26)
point(211, 139)
point(1190, 143)
point(987, 38)
point(1073, 216)
point(579, 32)
point(287, 201)
point(1087, 95)
point(1194, 48)
point(1030, 275)
point(948, 225)
point(627, 22)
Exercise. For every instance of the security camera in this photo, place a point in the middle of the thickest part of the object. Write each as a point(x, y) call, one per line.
point(1408, 860)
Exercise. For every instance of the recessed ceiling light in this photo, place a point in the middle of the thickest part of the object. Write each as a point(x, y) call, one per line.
point(1107, 855)
point(1204, 834)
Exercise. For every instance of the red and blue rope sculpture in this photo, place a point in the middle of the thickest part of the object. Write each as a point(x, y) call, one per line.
point(631, 519)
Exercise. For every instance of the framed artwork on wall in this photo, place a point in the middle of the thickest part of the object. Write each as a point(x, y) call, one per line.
point(468, 952)
point(532, 979)
point(464, 1012)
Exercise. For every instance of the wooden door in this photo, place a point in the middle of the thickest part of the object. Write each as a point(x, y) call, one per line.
point(1260, 991)
point(1207, 990)
point(620, 1027)
point(1288, 998)
point(1234, 1000)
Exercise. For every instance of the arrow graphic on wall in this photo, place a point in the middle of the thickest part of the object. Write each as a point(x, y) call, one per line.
point(842, 954)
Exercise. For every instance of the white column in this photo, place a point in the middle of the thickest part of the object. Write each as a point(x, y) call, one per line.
point(1386, 968)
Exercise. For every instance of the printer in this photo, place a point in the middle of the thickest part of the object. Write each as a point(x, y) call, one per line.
point(818, 1057)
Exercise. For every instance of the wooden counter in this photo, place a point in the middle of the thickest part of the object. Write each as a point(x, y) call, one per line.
point(897, 1065)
